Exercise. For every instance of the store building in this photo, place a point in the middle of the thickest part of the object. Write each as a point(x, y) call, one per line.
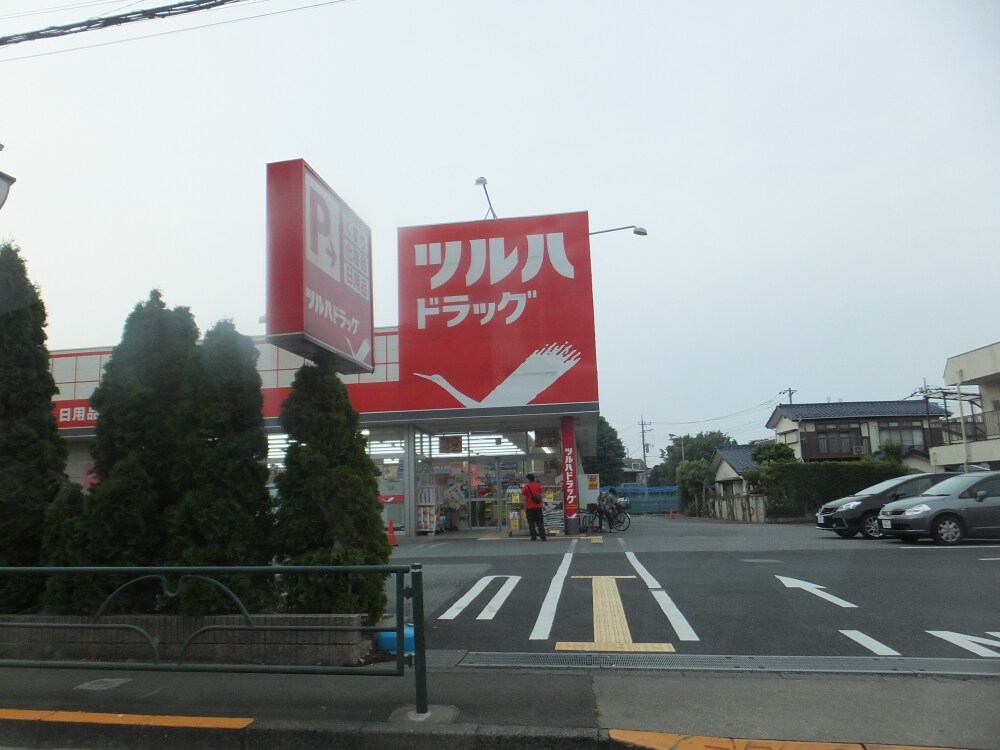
point(490, 374)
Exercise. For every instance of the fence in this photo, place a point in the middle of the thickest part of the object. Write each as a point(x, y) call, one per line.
point(650, 499)
point(204, 631)
point(742, 508)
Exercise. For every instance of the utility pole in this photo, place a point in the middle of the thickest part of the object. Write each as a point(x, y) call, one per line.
point(645, 449)
point(790, 392)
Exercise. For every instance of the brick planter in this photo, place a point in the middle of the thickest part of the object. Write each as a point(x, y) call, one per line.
point(22, 638)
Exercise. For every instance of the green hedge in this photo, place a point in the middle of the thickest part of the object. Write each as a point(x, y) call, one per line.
point(799, 489)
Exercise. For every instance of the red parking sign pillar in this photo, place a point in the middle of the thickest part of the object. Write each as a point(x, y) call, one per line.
point(571, 487)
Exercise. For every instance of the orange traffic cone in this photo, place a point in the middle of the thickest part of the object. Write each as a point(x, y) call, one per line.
point(671, 514)
point(391, 535)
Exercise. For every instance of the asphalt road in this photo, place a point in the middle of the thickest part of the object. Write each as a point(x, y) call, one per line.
point(695, 587)
point(503, 612)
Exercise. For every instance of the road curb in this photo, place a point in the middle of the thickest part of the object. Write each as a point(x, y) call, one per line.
point(51, 733)
point(668, 741)
point(295, 735)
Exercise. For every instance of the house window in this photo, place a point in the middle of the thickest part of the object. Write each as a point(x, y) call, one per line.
point(909, 433)
point(837, 439)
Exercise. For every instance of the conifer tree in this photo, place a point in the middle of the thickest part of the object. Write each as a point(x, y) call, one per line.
point(329, 512)
point(123, 521)
point(224, 518)
point(32, 455)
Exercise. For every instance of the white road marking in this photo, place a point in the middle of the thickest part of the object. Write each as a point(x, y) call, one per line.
point(985, 559)
point(814, 588)
point(761, 561)
point(938, 546)
point(880, 649)
point(547, 613)
point(970, 642)
point(490, 610)
point(107, 683)
point(677, 620)
point(439, 544)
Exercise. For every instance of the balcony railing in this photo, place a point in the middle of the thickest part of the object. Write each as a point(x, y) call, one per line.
point(982, 426)
point(818, 446)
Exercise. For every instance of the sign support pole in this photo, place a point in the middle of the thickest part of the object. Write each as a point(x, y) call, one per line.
point(571, 485)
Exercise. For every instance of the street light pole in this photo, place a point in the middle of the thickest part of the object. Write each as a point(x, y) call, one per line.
point(482, 181)
point(641, 231)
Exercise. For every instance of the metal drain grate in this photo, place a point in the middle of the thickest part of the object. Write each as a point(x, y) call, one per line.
point(698, 663)
point(444, 658)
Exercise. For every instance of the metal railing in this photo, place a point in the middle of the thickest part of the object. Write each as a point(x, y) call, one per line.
point(833, 445)
point(982, 426)
point(210, 575)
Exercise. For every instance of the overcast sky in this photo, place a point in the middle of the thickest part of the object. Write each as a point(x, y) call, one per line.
point(820, 180)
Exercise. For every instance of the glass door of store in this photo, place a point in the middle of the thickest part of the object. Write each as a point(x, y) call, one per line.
point(495, 479)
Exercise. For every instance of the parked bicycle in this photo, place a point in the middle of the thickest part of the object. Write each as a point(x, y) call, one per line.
point(620, 519)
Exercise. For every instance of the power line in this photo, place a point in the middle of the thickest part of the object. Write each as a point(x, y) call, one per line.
point(57, 8)
point(763, 405)
point(93, 24)
point(177, 31)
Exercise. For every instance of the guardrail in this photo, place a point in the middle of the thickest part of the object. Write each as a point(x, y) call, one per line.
point(210, 575)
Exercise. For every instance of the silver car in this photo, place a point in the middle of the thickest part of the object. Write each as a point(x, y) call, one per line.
point(961, 506)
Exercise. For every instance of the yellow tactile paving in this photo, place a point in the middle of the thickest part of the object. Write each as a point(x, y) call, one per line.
point(87, 717)
point(669, 741)
point(611, 631)
point(620, 648)
point(610, 625)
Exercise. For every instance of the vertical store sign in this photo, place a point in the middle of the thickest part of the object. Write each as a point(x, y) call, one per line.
point(319, 269)
point(497, 314)
point(571, 485)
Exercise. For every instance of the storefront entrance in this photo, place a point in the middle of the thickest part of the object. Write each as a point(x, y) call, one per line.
point(494, 482)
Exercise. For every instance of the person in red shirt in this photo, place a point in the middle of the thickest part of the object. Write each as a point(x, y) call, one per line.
point(532, 492)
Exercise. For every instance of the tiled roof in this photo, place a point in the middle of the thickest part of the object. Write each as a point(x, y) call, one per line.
point(854, 410)
point(737, 456)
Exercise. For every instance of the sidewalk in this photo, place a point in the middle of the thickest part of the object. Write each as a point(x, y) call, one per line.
point(484, 709)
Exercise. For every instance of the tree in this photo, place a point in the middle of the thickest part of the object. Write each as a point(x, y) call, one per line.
point(693, 478)
point(892, 452)
point(32, 455)
point(690, 448)
point(772, 453)
point(138, 448)
point(770, 457)
point(658, 476)
point(329, 512)
point(609, 460)
point(223, 518)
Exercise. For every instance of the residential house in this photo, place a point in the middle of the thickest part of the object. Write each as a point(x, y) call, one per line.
point(729, 464)
point(733, 500)
point(635, 471)
point(972, 436)
point(846, 430)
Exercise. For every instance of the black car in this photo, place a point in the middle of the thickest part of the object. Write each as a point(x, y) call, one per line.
point(846, 516)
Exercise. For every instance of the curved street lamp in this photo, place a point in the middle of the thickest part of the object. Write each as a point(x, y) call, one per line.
point(5, 182)
point(641, 231)
point(482, 181)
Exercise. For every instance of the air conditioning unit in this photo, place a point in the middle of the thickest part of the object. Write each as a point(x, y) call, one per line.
point(859, 450)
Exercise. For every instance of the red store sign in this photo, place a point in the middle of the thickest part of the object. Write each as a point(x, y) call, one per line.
point(497, 314)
